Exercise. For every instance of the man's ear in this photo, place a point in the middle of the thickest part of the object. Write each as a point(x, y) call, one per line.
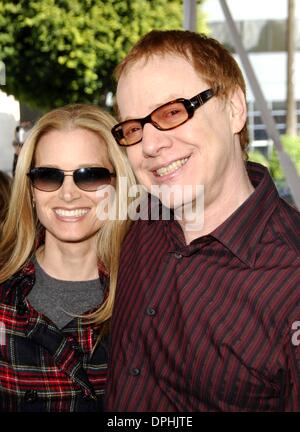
point(238, 110)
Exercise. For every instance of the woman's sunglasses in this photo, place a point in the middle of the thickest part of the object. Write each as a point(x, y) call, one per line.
point(88, 179)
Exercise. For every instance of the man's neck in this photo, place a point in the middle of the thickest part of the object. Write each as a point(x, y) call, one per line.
point(219, 205)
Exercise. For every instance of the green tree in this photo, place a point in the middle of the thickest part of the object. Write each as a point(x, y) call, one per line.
point(257, 156)
point(291, 145)
point(64, 51)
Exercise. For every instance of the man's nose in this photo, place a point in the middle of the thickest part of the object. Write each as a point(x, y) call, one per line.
point(154, 140)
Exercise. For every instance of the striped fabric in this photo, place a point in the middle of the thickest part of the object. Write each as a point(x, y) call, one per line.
point(212, 326)
point(43, 368)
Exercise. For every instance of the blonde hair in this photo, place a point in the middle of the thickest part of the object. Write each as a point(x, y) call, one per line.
point(21, 229)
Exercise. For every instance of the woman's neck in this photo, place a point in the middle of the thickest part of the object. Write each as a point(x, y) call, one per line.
point(68, 261)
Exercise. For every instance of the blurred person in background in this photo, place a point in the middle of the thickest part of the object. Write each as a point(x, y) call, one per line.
point(5, 188)
point(58, 264)
point(21, 133)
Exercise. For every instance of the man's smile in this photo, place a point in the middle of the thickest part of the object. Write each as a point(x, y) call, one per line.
point(171, 167)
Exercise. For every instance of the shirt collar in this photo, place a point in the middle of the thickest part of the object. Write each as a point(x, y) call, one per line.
point(242, 231)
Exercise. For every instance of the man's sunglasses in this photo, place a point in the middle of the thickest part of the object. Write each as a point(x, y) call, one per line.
point(166, 117)
point(88, 179)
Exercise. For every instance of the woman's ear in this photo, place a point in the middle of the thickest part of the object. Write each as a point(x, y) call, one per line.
point(238, 110)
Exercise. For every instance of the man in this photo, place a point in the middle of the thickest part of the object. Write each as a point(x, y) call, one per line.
point(205, 319)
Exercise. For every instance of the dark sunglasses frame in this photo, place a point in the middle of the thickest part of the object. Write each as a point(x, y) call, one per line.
point(190, 105)
point(75, 173)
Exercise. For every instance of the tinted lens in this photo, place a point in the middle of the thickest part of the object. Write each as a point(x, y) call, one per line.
point(166, 117)
point(129, 132)
point(46, 179)
point(170, 115)
point(91, 179)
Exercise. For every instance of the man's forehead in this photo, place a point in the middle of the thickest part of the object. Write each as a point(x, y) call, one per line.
point(154, 60)
point(144, 86)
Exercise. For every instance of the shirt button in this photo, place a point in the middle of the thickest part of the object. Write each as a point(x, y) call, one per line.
point(135, 371)
point(30, 396)
point(177, 255)
point(150, 311)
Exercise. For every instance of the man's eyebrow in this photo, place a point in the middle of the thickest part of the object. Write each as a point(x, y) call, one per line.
point(153, 107)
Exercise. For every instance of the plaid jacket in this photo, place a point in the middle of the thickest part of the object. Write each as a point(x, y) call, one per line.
point(43, 368)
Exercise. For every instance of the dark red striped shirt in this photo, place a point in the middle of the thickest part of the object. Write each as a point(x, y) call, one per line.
point(214, 325)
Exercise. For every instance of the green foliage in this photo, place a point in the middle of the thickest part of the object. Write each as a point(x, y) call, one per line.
point(292, 147)
point(257, 156)
point(65, 51)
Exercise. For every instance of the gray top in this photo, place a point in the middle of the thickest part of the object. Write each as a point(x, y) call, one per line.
point(60, 300)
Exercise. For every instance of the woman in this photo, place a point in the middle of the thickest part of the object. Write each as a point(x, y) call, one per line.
point(55, 257)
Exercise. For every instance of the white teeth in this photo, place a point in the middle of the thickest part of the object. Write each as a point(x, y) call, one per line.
point(173, 166)
point(71, 213)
